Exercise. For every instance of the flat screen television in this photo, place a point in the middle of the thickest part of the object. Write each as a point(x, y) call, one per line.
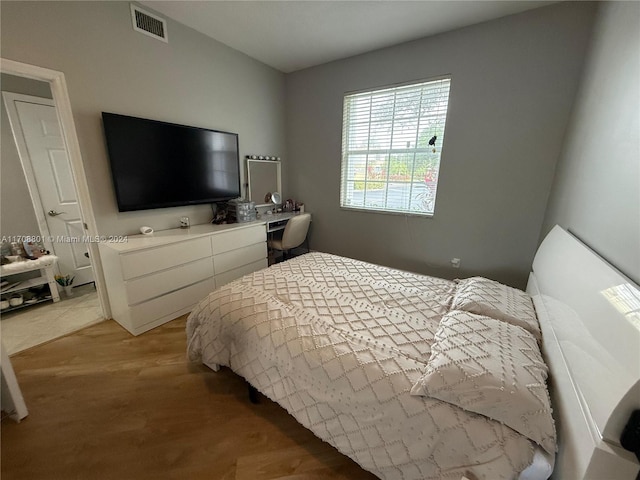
point(156, 164)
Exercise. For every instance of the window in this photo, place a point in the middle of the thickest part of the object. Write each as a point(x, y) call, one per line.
point(391, 146)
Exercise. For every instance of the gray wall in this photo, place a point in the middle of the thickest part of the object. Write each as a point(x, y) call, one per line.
point(513, 85)
point(596, 193)
point(192, 80)
point(17, 216)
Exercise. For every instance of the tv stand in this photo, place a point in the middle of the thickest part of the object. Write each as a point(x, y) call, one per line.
point(152, 279)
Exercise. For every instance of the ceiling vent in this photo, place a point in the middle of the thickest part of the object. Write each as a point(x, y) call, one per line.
point(149, 24)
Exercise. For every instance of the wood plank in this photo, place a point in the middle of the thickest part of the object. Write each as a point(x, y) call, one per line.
point(105, 405)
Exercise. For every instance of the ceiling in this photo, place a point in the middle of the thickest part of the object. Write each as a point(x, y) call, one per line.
point(292, 35)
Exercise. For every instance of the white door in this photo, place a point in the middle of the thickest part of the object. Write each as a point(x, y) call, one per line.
point(60, 218)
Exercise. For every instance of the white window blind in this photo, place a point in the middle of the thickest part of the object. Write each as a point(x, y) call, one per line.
point(391, 146)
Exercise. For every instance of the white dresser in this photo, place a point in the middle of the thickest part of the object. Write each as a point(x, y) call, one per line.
point(153, 279)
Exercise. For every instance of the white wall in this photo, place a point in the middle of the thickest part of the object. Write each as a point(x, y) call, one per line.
point(192, 80)
point(596, 193)
point(513, 84)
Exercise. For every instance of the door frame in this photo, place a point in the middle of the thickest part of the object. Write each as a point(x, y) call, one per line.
point(58, 84)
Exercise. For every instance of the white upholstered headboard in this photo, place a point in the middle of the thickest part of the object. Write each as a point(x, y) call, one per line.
point(590, 319)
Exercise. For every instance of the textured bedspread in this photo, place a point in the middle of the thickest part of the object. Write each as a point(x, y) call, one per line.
point(339, 343)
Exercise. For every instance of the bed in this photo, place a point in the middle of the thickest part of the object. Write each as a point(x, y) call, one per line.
point(411, 376)
point(589, 313)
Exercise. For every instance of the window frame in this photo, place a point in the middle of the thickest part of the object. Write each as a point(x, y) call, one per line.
point(344, 165)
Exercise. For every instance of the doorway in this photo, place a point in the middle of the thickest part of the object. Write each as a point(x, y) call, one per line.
point(47, 172)
point(63, 183)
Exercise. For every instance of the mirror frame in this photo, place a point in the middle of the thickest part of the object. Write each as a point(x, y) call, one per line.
point(260, 202)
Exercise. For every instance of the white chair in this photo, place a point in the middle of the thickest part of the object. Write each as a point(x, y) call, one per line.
point(294, 235)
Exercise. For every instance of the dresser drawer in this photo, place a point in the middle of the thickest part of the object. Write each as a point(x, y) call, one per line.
point(156, 284)
point(164, 306)
point(231, 275)
point(239, 257)
point(142, 262)
point(234, 239)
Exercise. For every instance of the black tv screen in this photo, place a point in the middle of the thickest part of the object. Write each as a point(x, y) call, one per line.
point(156, 164)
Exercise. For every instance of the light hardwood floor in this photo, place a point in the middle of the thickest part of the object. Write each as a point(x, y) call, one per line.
point(106, 405)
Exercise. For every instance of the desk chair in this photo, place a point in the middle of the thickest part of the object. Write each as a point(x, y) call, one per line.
point(293, 235)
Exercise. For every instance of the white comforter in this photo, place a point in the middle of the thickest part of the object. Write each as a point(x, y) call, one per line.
point(339, 343)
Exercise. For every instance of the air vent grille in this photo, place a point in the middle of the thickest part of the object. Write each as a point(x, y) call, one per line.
point(149, 24)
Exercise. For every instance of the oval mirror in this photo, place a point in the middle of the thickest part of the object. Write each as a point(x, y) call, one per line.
point(276, 198)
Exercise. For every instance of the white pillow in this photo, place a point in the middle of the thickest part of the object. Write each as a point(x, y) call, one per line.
point(493, 299)
point(493, 368)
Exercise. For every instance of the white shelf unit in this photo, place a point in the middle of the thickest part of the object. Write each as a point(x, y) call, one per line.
point(154, 279)
point(26, 284)
point(46, 267)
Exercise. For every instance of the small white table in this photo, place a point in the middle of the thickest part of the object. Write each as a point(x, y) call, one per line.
point(45, 264)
